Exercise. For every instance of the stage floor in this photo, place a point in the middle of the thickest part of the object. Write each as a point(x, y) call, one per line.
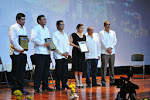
point(90, 93)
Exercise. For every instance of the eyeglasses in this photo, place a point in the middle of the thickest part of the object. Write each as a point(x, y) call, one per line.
point(62, 24)
point(107, 24)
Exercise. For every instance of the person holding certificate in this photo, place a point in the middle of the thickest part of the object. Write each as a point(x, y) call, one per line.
point(18, 53)
point(108, 42)
point(92, 57)
point(39, 35)
point(61, 53)
point(78, 57)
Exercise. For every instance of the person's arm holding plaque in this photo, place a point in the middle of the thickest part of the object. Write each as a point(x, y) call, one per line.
point(36, 40)
point(14, 40)
point(72, 44)
point(82, 45)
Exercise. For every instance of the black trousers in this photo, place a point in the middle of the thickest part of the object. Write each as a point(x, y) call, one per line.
point(42, 64)
point(18, 71)
point(61, 72)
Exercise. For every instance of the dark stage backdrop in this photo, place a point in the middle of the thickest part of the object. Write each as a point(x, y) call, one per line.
point(129, 18)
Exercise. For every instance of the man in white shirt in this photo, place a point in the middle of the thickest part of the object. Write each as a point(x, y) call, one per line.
point(42, 54)
point(108, 42)
point(92, 57)
point(18, 54)
point(61, 53)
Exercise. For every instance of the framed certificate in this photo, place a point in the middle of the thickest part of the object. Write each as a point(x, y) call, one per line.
point(83, 47)
point(52, 46)
point(23, 42)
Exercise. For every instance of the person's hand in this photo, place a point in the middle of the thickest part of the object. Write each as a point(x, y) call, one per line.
point(21, 51)
point(99, 57)
point(55, 50)
point(87, 51)
point(46, 44)
point(28, 39)
point(78, 47)
point(109, 50)
point(65, 54)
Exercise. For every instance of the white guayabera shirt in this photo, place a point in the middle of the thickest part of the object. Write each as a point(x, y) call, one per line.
point(107, 40)
point(38, 36)
point(61, 43)
point(14, 32)
point(93, 45)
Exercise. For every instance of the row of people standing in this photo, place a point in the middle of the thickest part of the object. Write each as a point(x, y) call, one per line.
point(101, 44)
point(42, 54)
point(81, 59)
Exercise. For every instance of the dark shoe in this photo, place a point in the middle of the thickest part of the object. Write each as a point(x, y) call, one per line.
point(47, 89)
point(25, 92)
point(12, 92)
point(58, 88)
point(13, 89)
point(66, 86)
point(111, 83)
point(78, 86)
point(37, 90)
point(81, 86)
point(103, 84)
point(95, 85)
point(88, 85)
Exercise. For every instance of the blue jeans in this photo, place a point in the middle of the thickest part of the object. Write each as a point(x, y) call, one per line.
point(91, 64)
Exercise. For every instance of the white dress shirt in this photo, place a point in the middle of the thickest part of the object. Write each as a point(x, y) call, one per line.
point(14, 32)
point(61, 43)
point(107, 40)
point(38, 36)
point(93, 45)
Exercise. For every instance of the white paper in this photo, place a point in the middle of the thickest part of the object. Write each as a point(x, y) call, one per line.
point(83, 47)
